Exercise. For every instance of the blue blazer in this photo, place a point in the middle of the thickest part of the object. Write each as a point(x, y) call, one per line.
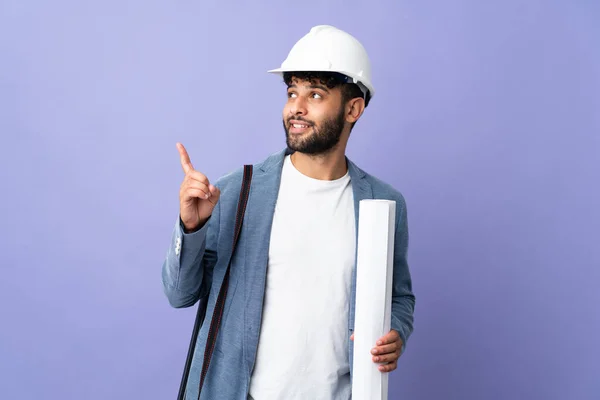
point(195, 266)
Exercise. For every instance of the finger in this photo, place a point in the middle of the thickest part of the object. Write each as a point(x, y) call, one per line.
point(186, 163)
point(388, 367)
point(389, 338)
point(191, 184)
point(385, 349)
point(385, 358)
point(193, 192)
point(215, 193)
point(352, 337)
point(197, 176)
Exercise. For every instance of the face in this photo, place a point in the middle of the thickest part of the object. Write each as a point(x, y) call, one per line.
point(313, 117)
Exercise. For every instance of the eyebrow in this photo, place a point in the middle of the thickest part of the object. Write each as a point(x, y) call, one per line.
point(311, 86)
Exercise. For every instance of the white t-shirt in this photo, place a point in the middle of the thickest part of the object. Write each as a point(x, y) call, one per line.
point(303, 343)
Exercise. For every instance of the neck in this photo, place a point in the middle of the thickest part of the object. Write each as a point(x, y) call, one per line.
point(325, 167)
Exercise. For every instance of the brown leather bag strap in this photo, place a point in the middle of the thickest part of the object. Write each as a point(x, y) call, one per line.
point(215, 323)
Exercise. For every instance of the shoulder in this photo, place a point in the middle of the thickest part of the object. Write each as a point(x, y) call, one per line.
point(232, 180)
point(381, 189)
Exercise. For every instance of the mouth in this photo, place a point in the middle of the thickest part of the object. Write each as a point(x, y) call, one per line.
point(298, 127)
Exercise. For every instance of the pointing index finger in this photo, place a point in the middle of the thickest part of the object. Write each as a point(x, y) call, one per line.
point(186, 163)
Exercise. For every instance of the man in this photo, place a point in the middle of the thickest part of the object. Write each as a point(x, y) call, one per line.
point(287, 324)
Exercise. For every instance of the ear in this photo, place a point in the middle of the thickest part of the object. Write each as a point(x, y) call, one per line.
point(354, 109)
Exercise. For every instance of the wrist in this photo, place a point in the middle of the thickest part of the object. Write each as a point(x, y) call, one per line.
point(192, 228)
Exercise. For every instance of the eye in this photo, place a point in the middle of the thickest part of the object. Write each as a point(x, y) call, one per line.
point(292, 95)
point(316, 96)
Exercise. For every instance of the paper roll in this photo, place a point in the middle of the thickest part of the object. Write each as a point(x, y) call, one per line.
point(375, 258)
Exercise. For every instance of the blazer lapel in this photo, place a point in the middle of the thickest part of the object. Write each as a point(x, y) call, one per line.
point(361, 190)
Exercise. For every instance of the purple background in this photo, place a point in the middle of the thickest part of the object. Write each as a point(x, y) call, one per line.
point(486, 118)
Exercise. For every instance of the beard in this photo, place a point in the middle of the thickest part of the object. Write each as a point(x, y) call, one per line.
point(322, 139)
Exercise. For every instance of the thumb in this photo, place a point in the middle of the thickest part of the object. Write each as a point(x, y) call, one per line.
point(352, 337)
point(214, 192)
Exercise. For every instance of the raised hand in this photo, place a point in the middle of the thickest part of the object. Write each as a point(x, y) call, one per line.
point(197, 197)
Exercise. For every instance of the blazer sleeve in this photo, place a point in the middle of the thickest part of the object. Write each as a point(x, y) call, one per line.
point(403, 299)
point(188, 267)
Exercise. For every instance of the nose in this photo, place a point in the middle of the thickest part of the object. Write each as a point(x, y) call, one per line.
point(298, 106)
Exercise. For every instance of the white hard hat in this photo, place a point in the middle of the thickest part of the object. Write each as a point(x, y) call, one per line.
point(329, 49)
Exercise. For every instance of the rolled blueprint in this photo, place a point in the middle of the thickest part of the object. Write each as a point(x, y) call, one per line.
point(375, 257)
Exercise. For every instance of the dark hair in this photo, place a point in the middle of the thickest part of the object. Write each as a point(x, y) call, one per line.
point(331, 80)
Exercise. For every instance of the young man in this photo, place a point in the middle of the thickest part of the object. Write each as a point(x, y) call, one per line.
point(287, 324)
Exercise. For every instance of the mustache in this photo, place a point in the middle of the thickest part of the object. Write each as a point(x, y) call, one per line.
point(310, 123)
